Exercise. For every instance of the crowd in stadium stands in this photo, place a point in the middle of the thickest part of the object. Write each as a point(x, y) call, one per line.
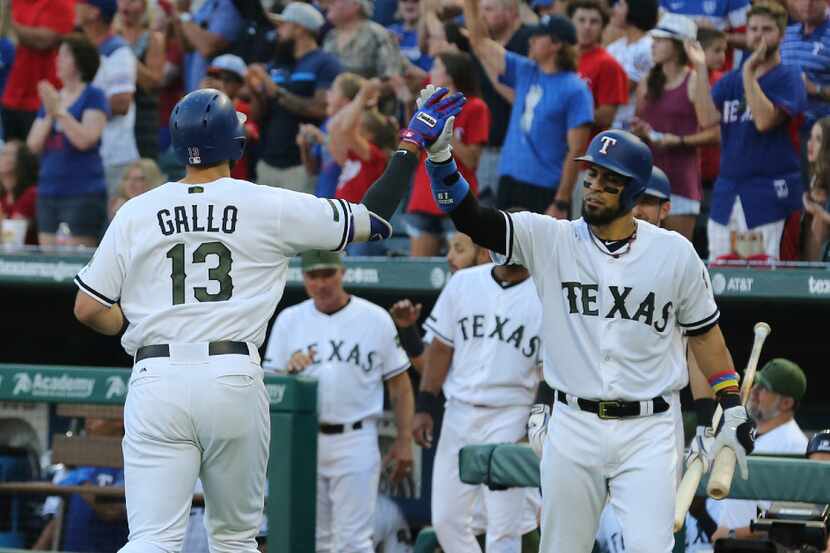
point(734, 107)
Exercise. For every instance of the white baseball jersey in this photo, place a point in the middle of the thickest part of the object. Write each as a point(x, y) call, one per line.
point(612, 317)
point(787, 439)
point(495, 334)
point(201, 263)
point(355, 350)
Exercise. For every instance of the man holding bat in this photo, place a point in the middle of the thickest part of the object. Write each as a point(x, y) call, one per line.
point(778, 389)
point(613, 292)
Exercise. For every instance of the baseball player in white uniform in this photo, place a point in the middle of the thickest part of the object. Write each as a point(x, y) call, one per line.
point(613, 290)
point(350, 346)
point(194, 269)
point(485, 354)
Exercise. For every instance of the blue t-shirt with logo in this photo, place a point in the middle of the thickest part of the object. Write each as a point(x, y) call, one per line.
point(761, 168)
point(546, 107)
point(811, 55)
point(219, 17)
point(83, 530)
point(64, 169)
point(723, 14)
point(329, 168)
point(315, 70)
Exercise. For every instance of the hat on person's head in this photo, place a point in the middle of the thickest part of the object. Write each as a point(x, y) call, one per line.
point(557, 27)
point(315, 260)
point(658, 185)
point(676, 27)
point(819, 443)
point(784, 377)
point(108, 8)
point(299, 13)
point(230, 63)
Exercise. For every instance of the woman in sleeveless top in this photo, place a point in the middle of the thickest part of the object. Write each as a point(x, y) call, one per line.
point(668, 119)
point(148, 47)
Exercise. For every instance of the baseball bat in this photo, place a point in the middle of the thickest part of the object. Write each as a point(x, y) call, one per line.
point(723, 468)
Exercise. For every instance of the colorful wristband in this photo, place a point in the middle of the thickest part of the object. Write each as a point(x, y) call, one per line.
point(724, 381)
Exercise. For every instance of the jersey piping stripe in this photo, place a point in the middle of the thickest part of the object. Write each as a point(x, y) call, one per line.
point(396, 372)
point(346, 223)
point(508, 249)
point(711, 318)
point(438, 334)
point(92, 292)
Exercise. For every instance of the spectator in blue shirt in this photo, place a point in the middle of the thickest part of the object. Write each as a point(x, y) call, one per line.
point(208, 32)
point(552, 114)
point(806, 47)
point(72, 190)
point(406, 31)
point(289, 92)
point(759, 187)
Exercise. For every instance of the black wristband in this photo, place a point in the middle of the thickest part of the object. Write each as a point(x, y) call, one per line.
point(705, 409)
point(729, 399)
point(544, 394)
point(411, 341)
point(427, 402)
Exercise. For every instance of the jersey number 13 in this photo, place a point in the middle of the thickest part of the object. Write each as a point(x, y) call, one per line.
point(221, 273)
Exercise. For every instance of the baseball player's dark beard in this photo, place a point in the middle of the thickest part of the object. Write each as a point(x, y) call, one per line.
point(601, 217)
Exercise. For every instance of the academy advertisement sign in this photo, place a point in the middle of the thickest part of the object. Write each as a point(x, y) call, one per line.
point(22, 383)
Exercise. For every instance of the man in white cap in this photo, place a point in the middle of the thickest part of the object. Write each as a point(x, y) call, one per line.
point(288, 92)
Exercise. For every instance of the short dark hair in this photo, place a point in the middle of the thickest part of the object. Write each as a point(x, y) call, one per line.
point(706, 36)
point(589, 5)
point(462, 71)
point(87, 58)
point(642, 14)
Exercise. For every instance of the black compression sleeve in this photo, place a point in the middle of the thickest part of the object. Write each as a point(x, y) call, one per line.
point(386, 193)
point(485, 225)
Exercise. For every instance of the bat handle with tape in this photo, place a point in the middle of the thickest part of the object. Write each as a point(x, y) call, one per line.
point(723, 468)
point(686, 492)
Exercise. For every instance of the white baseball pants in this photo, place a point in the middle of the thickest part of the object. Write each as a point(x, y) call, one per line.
point(195, 416)
point(348, 473)
point(586, 458)
point(453, 501)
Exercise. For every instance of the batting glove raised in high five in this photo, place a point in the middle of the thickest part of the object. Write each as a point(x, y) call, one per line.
point(429, 123)
point(537, 427)
point(701, 447)
point(736, 432)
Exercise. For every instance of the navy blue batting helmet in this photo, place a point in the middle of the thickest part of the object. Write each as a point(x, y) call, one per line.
point(625, 154)
point(658, 185)
point(206, 129)
point(819, 443)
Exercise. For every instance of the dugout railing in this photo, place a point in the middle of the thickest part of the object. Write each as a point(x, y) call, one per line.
point(292, 465)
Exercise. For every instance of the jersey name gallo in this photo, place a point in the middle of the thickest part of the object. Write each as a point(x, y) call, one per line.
point(499, 328)
point(198, 218)
point(583, 300)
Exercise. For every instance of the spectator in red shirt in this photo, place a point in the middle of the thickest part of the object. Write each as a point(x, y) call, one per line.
point(605, 76)
point(39, 26)
point(426, 224)
point(18, 186)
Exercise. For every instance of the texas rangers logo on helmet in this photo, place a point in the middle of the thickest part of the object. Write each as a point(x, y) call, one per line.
point(427, 119)
point(606, 142)
point(193, 155)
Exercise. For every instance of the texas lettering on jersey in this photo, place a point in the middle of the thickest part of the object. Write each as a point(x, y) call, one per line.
point(583, 300)
point(342, 352)
point(482, 326)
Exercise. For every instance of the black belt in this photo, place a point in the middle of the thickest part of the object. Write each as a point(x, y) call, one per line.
point(339, 428)
point(214, 348)
point(615, 409)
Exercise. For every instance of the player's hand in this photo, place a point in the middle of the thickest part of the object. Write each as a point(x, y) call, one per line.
point(422, 429)
point(737, 432)
point(428, 126)
point(259, 80)
point(399, 459)
point(701, 447)
point(405, 313)
point(300, 360)
point(537, 427)
point(554, 211)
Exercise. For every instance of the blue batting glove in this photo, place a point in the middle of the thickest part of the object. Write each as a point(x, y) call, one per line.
point(426, 125)
point(449, 187)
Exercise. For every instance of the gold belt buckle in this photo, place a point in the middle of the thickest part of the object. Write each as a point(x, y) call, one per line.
point(603, 406)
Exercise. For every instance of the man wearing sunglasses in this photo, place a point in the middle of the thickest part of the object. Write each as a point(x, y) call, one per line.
point(614, 293)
